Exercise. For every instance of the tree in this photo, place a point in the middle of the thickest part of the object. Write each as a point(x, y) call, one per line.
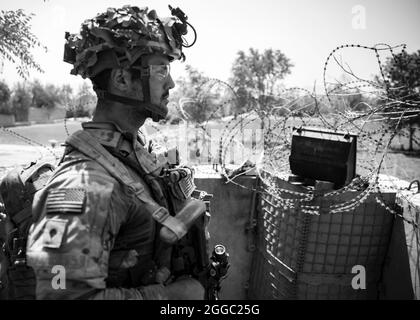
point(402, 74)
point(47, 96)
point(344, 98)
point(257, 75)
point(66, 93)
point(83, 104)
point(193, 95)
point(21, 102)
point(5, 107)
point(17, 40)
point(174, 115)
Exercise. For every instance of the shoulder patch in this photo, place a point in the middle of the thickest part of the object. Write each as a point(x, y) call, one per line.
point(66, 201)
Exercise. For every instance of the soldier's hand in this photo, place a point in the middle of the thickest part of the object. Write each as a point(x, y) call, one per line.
point(185, 289)
point(162, 275)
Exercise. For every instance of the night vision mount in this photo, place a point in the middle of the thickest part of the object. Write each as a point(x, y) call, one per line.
point(181, 28)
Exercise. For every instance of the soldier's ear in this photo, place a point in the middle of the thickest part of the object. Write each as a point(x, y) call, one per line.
point(121, 80)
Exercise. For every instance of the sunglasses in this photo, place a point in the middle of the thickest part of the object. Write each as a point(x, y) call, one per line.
point(160, 71)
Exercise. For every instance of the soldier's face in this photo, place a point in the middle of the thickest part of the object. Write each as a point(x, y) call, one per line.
point(160, 81)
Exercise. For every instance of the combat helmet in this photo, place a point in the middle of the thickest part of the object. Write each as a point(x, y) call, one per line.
point(118, 38)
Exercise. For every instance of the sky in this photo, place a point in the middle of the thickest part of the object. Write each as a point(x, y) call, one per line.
point(306, 31)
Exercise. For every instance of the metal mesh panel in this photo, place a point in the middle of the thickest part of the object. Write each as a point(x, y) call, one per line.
point(304, 256)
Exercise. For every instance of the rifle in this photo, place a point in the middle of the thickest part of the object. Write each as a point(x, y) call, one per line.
point(190, 252)
point(185, 227)
point(210, 271)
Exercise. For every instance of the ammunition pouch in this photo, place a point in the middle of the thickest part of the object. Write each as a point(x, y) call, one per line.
point(181, 182)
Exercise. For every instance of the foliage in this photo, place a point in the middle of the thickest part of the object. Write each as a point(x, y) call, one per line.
point(82, 104)
point(66, 93)
point(257, 75)
point(344, 98)
point(5, 107)
point(194, 97)
point(402, 80)
point(48, 96)
point(174, 113)
point(402, 72)
point(17, 40)
point(21, 102)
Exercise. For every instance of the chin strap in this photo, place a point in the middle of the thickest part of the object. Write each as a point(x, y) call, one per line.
point(145, 75)
point(152, 111)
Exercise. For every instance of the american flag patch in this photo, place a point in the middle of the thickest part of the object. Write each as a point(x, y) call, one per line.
point(66, 200)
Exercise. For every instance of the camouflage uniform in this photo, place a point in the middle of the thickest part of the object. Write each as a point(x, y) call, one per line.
point(86, 219)
point(88, 222)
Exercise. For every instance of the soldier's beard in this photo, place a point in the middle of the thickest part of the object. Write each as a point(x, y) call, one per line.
point(157, 112)
point(137, 116)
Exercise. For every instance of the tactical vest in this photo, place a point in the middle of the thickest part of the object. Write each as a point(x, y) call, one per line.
point(169, 197)
point(18, 187)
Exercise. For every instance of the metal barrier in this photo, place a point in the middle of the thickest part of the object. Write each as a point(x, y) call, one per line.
point(306, 256)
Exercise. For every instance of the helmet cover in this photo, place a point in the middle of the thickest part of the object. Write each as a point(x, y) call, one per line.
point(117, 38)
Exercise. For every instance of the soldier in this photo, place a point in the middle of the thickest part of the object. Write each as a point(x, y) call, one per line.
point(95, 231)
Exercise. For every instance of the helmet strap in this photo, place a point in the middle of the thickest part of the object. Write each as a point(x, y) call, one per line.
point(145, 76)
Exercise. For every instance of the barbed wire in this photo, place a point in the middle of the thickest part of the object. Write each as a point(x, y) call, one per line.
point(376, 124)
point(376, 141)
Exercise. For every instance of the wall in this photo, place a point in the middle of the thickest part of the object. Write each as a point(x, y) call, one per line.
point(41, 115)
point(232, 209)
point(7, 120)
point(402, 269)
